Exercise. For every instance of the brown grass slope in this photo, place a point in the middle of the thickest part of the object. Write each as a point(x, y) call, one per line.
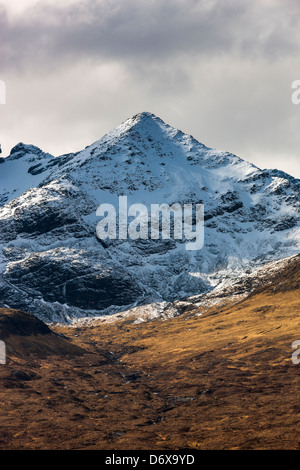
point(223, 380)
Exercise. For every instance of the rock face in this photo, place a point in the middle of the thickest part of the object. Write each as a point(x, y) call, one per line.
point(53, 265)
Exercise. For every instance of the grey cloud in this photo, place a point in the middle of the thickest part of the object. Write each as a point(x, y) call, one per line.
point(221, 70)
point(142, 31)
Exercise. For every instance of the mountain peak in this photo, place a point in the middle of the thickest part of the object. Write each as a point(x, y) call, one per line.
point(144, 126)
point(144, 116)
point(145, 137)
point(22, 149)
point(144, 121)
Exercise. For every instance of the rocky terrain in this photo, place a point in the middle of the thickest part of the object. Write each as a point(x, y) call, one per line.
point(53, 265)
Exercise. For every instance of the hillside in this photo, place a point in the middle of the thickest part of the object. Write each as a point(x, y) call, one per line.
point(211, 378)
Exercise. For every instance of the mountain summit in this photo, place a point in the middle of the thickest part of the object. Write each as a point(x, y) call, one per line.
point(53, 265)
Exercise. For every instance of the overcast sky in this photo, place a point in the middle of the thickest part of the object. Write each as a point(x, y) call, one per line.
point(219, 70)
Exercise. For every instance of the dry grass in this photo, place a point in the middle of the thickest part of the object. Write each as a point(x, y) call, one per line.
point(223, 380)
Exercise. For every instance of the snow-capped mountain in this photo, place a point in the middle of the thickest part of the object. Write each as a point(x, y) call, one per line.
point(53, 265)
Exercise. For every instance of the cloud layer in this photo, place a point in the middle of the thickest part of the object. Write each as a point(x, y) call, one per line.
point(219, 70)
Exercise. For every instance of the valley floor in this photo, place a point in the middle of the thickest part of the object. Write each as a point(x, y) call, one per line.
point(220, 380)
